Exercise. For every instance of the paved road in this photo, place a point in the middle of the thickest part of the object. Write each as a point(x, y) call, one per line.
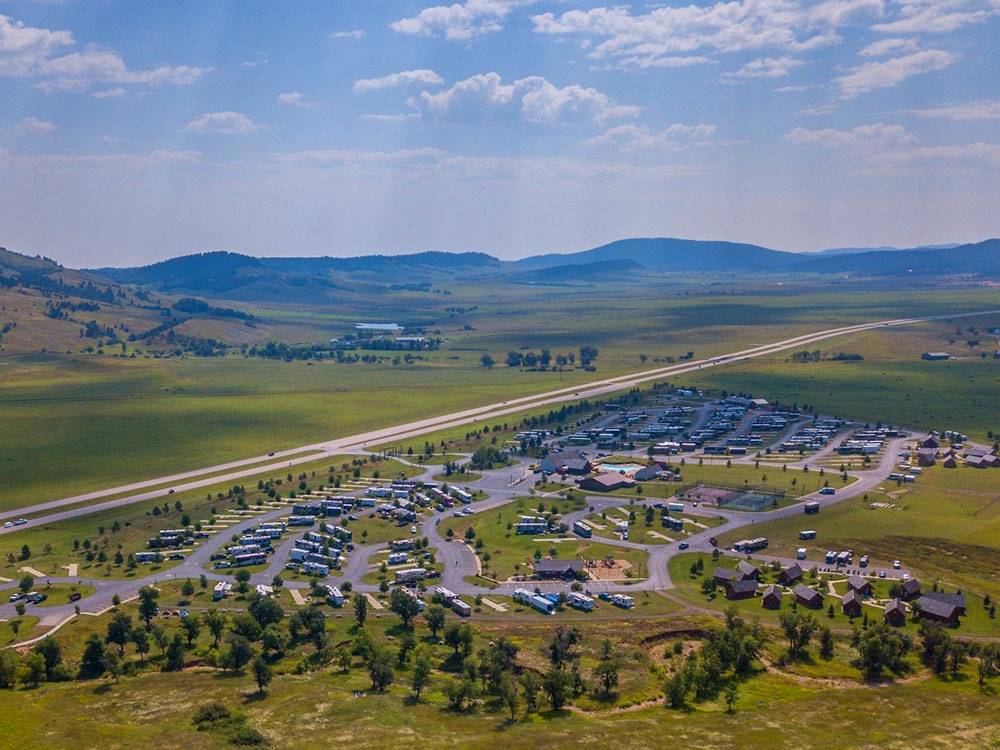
point(197, 479)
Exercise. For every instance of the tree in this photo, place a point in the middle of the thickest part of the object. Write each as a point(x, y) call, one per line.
point(557, 686)
point(404, 605)
point(51, 652)
point(119, 631)
point(989, 662)
point(798, 631)
point(360, 609)
point(92, 661)
point(160, 637)
point(33, 670)
point(239, 653)
point(245, 625)
point(174, 661)
point(187, 588)
point(140, 637)
point(509, 693)
point(676, 688)
point(272, 639)
point(113, 664)
point(265, 610)
point(192, 627)
point(380, 667)
point(826, 643)
point(147, 604)
point(262, 674)
point(531, 684)
point(606, 672)
point(421, 673)
point(25, 584)
point(8, 668)
point(459, 636)
point(731, 693)
point(560, 648)
point(216, 623)
point(435, 619)
point(880, 648)
point(487, 361)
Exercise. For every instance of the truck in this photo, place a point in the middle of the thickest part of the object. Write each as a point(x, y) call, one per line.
point(675, 507)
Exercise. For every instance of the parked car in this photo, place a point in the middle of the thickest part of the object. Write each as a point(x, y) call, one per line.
point(17, 596)
point(75, 596)
point(896, 564)
point(683, 545)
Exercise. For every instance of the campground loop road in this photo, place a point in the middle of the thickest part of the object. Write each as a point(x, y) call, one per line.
point(163, 486)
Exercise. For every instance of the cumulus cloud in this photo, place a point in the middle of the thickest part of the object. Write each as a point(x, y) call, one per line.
point(294, 99)
point(28, 52)
point(640, 137)
point(421, 76)
point(224, 123)
point(459, 21)
point(969, 112)
point(887, 73)
point(646, 40)
point(766, 67)
point(533, 99)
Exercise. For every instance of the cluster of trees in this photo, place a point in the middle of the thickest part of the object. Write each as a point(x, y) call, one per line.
point(544, 359)
point(726, 656)
point(487, 457)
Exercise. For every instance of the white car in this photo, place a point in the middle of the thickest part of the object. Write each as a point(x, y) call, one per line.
point(9, 525)
point(413, 529)
point(896, 564)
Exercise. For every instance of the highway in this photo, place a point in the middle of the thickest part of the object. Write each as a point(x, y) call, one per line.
point(235, 470)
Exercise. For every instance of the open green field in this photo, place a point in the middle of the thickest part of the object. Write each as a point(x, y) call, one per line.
point(688, 586)
point(505, 553)
point(944, 526)
point(82, 422)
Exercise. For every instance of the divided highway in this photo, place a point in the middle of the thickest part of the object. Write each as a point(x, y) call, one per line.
point(220, 474)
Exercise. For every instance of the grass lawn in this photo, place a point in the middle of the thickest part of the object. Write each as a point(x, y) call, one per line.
point(458, 477)
point(505, 553)
point(944, 526)
point(647, 533)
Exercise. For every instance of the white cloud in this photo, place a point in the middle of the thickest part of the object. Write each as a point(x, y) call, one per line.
point(937, 16)
point(34, 125)
point(863, 139)
point(294, 99)
point(108, 93)
point(224, 123)
point(970, 112)
point(639, 137)
point(28, 52)
point(888, 46)
point(645, 40)
point(355, 34)
point(422, 76)
point(886, 73)
point(767, 67)
point(390, 117)
point(533, 99)
point(465, 20)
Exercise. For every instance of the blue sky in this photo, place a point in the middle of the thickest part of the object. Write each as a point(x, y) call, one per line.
point(136, 131)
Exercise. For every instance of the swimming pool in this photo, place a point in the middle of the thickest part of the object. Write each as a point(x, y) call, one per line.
point(620, 468)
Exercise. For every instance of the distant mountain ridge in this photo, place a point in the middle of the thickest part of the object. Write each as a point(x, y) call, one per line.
point(246, 277)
